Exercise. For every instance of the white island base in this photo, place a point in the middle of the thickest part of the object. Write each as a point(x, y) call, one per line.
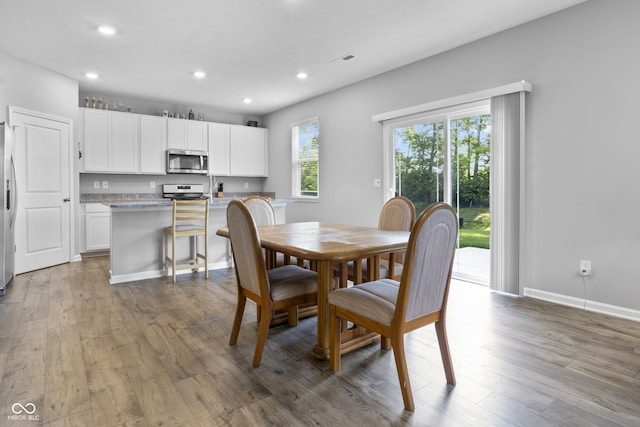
point(137, 239)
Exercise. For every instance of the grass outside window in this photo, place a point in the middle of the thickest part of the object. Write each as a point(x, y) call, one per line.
point(475, 227)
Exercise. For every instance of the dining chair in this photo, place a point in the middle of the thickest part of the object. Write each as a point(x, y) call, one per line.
point(260, 209)
point(393, 308)
point(397, 214)
point(284, 287)
point(263, 214)
point(189, 218)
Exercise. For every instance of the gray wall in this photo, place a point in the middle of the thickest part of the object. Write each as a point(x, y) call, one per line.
point(582, 145)
point(28, 86)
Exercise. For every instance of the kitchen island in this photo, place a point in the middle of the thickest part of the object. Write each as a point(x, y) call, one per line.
point(137, 238)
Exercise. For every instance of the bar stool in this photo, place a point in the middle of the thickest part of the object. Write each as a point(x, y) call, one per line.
point(190, 218)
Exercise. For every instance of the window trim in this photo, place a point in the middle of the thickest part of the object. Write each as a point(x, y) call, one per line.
point(295, 161)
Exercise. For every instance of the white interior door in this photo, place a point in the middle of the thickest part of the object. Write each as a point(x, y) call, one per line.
point(42, 147)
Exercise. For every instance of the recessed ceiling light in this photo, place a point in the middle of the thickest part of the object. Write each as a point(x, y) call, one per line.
point(199, 74)
point(107, 30)
point(302, 75)
point(247, 100)
point(91, 76)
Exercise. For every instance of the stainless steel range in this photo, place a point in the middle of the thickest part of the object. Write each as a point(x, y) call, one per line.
point(183, 191)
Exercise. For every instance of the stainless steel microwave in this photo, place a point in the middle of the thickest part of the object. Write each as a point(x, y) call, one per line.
point(187, 161)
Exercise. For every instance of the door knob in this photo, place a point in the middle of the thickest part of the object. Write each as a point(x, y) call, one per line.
point(66, 199)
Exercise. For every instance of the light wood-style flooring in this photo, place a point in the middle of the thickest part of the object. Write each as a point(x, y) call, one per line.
point(149, 353)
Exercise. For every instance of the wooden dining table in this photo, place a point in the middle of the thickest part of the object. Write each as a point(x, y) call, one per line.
point(327, 246)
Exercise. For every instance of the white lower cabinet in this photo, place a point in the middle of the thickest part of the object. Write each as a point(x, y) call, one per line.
point(97, 222)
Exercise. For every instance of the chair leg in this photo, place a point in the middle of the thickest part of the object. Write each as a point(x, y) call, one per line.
point(335, 327)
point(237, 320)
point(206, 256)
point(196, 246)
point(441, 332)
point(263, 332)
point(357, 271)
point(166, 252)
point(397, 342)
point(385, 343)
point(292, 316)
point(343, 274)
point(173, 258)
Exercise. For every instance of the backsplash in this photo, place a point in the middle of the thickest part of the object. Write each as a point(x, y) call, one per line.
point(150, 197)
point(142, 184)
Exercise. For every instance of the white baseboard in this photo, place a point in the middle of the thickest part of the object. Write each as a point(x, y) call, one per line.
point(598, 307)
point(143, 275)
point(122, 278)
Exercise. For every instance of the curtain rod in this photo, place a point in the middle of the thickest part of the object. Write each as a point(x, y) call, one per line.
point(521, 86)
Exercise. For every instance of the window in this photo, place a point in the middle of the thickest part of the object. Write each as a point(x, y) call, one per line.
point(443, 155)
point(502, 128)
point(305, 141)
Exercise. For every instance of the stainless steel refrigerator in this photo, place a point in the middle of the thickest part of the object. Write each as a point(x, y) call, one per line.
point(9, 200)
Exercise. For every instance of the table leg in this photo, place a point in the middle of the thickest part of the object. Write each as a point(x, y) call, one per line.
point(325, 278)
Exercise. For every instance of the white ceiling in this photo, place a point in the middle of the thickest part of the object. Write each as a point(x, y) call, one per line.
point(248, 48)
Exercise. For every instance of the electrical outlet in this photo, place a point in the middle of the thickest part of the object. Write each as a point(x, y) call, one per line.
point(585, 267)
point(246, 185)
point(96, 184)
point(105, 184)
point(152, 184)
point(377, 183)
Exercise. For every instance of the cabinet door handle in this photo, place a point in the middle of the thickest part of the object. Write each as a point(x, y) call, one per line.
point(66, 199)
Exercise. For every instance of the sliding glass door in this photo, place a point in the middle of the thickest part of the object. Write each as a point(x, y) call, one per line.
point(444, 156)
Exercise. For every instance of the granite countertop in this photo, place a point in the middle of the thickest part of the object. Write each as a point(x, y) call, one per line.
point(155, 200)
point(107, 198)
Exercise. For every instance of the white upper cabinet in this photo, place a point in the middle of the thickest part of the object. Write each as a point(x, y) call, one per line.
point(219, 134)
point(110, 141)
point(124, 142)
point(187, 134)
point(153, 144)
point(197, 138)
point(248, 151)
point(96, 136)
point(118, 142)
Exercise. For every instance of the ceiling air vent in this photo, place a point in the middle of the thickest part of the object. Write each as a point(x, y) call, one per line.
point(342, 58)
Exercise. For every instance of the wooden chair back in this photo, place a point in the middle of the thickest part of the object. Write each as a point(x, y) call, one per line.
point(190, 216)
point(261, 210)
point(247, 253)
point(398, 214)
point(428, 265)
